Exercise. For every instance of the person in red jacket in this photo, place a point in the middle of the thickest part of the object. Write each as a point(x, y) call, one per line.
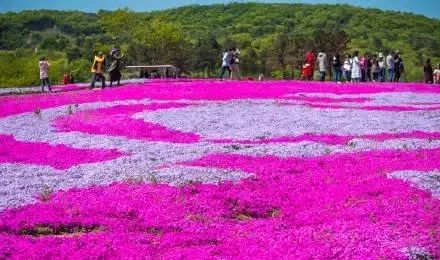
point(309, 66)
point(66, 78)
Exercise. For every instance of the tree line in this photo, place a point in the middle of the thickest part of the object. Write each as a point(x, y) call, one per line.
point(272, 38)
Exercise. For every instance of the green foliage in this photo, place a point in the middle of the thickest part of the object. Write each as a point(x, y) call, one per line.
point(272, 38)
point(80, 70)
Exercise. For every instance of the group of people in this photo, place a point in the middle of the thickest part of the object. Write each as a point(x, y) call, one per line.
point(98, 70)
point(230, 62)
point(430, 75)
point(355, 68)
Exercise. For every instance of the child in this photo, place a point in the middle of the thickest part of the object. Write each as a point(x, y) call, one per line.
point(44, 73)
point(437, 74)
point(306, 72)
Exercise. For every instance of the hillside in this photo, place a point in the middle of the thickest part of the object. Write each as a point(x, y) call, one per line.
point(272, 37)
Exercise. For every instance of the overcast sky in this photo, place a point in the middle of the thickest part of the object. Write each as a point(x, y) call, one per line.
point(430, 8)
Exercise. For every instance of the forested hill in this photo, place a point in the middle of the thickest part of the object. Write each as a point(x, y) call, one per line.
point(272, 38)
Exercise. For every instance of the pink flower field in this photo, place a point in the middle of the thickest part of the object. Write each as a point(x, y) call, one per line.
point(222, 170)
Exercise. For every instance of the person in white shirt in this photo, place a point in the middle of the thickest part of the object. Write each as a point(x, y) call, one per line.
point(355, 68)
point(381, 64)
point(226, 63)
point(390, 66)
point(347, 68)
point(322, 65)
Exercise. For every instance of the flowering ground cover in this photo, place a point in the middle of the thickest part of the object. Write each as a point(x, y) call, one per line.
point(222, 170)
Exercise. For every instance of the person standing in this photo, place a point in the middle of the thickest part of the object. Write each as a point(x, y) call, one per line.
point(390, 66)
point(437, 75)
point(427, 69)
point(369, 67)
point(322, 65)
point(356, 68)
point(226, 63)
point(381, 64)
point(72, 80)
point(66, 78)
point(44, 66)
point(398, 66)
point(235, 61)
point(363, 65)
point(337, 71)
point(98, 70)
point(375, 68)
point(114, 69)
point(309, 66)
point(347, 68)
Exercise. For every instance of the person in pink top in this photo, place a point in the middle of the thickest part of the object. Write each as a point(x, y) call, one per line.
point(44, 73)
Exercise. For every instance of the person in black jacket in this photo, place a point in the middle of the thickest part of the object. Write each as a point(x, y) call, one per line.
point(427, 69)
point(114, 69)
point(337, 69)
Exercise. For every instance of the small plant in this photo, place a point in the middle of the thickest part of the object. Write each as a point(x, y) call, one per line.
point(327, 151)
point(273, 213)
point(235, 147)
point(60, 230)
point(136, 180)
point(69, 110)
point(152, 178)
point(351, 144)
point(46, 194)
point(37, 112)
point(158, 231)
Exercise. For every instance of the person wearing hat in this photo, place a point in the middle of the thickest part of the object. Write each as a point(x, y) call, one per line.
point(98, 70)
point(114, 69)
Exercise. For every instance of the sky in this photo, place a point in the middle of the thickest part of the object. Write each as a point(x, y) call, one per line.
point(430, 8)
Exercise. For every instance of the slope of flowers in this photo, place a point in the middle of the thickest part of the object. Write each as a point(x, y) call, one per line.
point(222, 170)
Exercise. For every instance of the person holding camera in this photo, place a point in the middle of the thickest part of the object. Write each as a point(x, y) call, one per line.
point(44, 73)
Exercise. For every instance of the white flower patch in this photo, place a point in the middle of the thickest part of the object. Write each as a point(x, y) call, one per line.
point(179, 175)
point(313, 149)
point(429, 180)
point(412, 99)
point(248, 119)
